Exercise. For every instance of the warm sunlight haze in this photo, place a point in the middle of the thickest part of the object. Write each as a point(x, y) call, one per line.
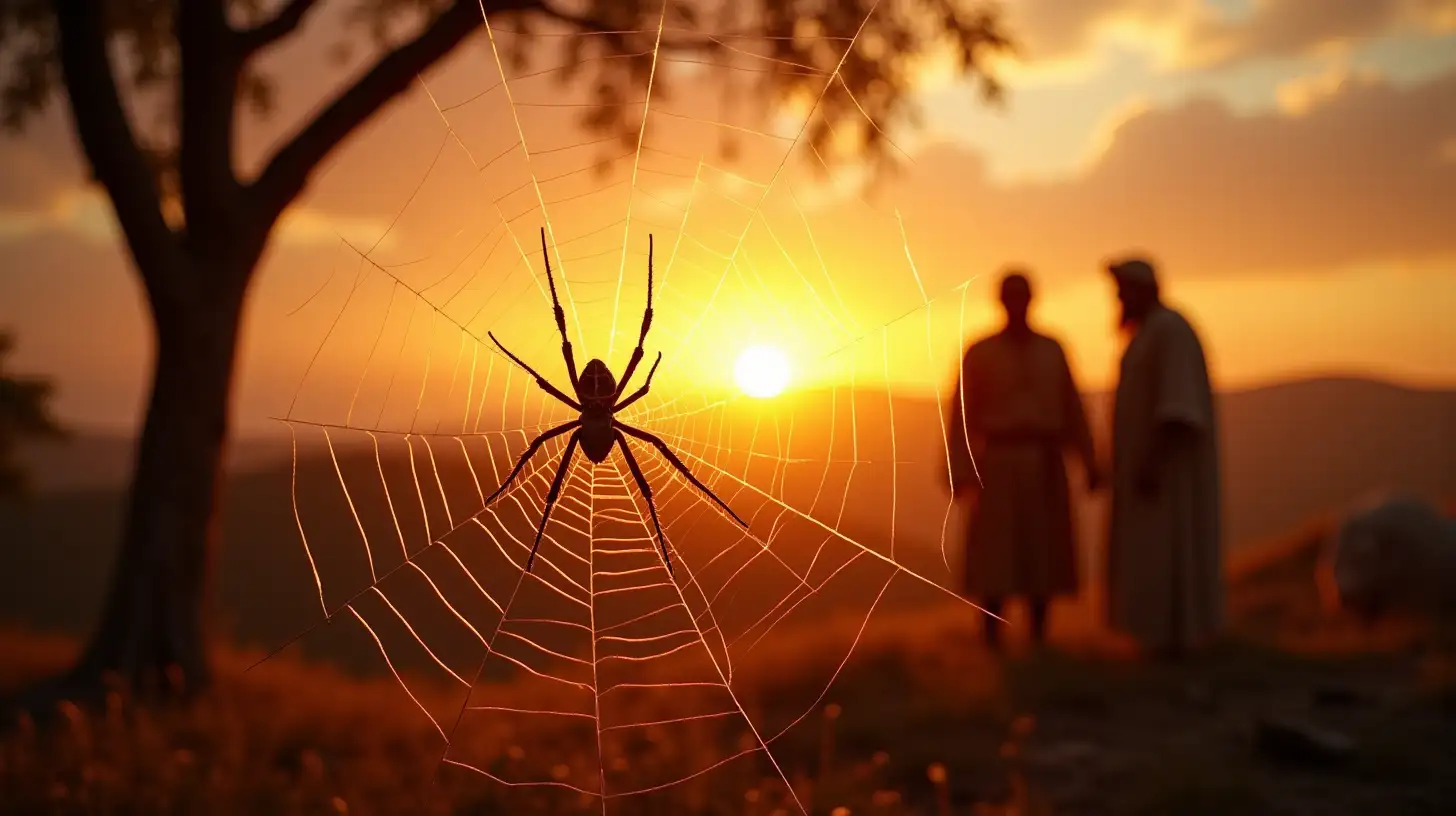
point(762, 371)
point(688, 406)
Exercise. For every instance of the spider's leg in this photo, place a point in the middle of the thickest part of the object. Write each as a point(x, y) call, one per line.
point(551, 496)
point(526, 457)
point(540, 380)
point(678, 463)
point(560, 315)
point(646, 494)
point(641, 392)
point(642, 337)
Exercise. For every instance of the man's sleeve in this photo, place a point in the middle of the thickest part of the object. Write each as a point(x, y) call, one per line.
point(1182, 378)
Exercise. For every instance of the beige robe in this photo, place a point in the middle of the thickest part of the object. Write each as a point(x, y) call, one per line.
point(1016, 410)
point(1165, 568)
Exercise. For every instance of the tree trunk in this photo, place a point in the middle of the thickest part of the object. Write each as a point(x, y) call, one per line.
point(151, 635)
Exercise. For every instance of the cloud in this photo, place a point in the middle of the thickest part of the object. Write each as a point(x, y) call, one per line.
point(79, 212)
point(1362, 174)
point(1055, 30)
point(1061, 38)
point(1303, 93)
point(1298, 27)
point(301, 227)
point(1105, 135)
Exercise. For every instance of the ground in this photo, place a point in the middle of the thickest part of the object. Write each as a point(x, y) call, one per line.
point(1077, 729)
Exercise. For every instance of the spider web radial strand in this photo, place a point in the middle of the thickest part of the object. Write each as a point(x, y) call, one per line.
point(599, 677)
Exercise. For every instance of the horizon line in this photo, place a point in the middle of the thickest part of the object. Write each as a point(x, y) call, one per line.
point(265, 428)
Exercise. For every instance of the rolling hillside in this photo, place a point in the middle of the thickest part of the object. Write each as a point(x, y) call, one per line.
point(1291, 451)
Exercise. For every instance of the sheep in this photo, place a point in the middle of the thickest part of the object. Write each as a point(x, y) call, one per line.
point(1392, 556)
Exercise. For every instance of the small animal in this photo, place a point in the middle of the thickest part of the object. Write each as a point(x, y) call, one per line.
point(1394, 555)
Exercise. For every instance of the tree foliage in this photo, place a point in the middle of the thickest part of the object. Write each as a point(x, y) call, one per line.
point(803, 42)
point(24, 413)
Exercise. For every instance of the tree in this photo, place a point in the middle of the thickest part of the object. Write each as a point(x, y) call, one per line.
point(196, 230)
point(24, 412)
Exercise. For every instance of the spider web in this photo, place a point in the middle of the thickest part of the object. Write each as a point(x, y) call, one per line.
point(650, 682)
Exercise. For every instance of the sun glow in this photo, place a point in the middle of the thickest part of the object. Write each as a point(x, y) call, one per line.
point(762, 371)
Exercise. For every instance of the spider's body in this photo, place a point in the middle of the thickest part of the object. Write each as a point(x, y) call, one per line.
point(598, 398)
point(597, 390)
point(596, 387)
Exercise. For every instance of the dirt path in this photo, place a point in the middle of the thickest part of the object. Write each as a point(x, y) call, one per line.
point(1235, 733)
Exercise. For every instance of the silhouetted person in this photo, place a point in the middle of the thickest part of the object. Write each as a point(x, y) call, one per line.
point(1165, 569)
point(1014, 413)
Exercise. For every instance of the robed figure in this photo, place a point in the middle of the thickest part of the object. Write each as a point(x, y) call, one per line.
point(1165, 563)
point(1014, 414)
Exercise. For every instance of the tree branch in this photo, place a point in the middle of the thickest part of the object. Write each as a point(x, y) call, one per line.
point(110, 144)
point(288, 19)
point(584, 22)
point(286, 173)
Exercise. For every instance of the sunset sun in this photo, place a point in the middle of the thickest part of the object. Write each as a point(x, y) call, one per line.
point(762, 371)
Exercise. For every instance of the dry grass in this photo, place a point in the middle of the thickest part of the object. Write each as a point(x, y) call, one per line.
point(922, 721)
point(297, 738)
point(294, 739)
point(919, 728)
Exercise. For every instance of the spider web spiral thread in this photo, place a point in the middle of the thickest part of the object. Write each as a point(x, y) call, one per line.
point(617, 650)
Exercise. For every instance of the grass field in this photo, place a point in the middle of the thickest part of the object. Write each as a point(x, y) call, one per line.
point(921, 721)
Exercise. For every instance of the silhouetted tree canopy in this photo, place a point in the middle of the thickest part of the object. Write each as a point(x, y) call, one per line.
point(24, 413)
point(804, 41)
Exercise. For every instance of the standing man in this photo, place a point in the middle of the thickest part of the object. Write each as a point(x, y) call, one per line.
point(1165, 569)
point(1014, 413)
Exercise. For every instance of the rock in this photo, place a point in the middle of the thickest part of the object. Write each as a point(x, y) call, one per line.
point(1298, 743)
point(1396, 554)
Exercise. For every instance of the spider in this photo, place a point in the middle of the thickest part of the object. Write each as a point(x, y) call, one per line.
point(598, 398)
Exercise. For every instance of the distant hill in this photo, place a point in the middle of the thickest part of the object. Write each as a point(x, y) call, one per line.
point(102, 459)
point(1292, 451)
point(1302, 448)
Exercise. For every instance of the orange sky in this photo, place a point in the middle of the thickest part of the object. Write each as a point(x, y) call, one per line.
point(1291, 163)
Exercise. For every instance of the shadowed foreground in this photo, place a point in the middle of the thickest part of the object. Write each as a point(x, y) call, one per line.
point(1081, 731)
